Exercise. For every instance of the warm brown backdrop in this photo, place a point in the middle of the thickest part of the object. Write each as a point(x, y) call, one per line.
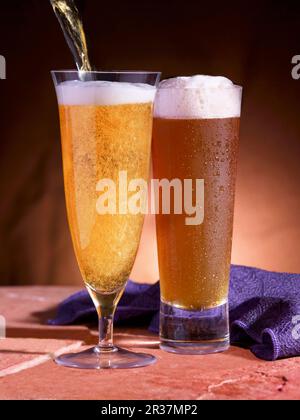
point(251, 42)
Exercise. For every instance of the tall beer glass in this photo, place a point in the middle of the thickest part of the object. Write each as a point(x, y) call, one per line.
point(106, 128)
point(196, 135)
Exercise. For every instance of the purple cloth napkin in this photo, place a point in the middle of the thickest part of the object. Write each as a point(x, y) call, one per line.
point(264, 311)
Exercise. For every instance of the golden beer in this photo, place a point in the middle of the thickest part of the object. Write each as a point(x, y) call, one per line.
point(195, 138)
point(98, 142)
point(194, 261)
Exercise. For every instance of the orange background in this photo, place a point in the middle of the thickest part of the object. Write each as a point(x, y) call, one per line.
point(251, 42)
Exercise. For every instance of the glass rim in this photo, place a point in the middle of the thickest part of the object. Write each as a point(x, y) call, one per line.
point(106, 72)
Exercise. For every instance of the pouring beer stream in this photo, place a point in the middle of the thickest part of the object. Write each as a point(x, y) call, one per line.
point(71, 24)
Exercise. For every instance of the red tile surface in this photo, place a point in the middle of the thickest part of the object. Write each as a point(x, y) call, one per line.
point(19, 354)
point(233, 375)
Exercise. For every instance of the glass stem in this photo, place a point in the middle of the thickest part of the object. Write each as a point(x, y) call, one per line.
point(106, 321)
point(106, 305)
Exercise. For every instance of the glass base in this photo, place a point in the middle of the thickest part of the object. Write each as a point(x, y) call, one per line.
point(94, 358)
point(195, 348)
point(194, 332)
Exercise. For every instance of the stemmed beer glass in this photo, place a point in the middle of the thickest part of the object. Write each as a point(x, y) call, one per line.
point(106, 129)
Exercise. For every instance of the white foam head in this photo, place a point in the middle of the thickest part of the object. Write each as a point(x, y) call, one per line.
point(200, 97)
point(104, 93)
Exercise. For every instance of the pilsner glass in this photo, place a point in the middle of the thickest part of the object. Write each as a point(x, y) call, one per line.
point(106, 128)
point(195, 137)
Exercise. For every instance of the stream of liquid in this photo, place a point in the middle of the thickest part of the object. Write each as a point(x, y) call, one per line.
point(71, 24)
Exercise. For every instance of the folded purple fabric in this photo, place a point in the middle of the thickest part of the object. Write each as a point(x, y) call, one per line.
point(264, 311)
